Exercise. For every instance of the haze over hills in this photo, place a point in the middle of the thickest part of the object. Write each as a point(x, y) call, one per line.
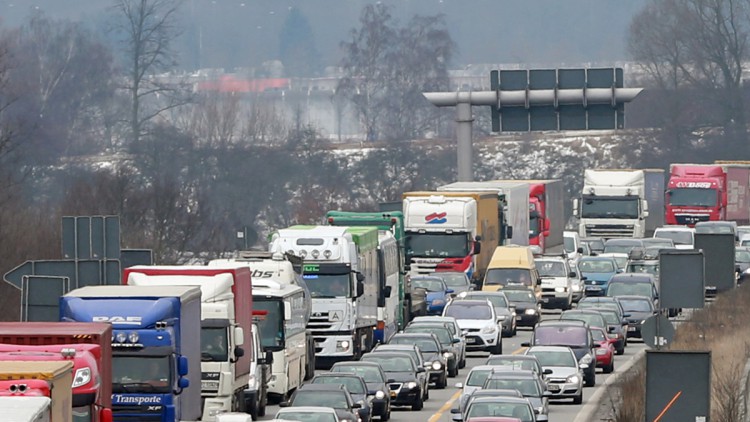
point(245, 33)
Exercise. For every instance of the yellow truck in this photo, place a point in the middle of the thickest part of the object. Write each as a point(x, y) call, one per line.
point(450, 231)
point(512, 266)
point(24, 385)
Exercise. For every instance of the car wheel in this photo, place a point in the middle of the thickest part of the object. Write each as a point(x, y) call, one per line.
point(609, 368)
point(418, 405)
point(442, 382)
point(497, 349)
point(591, 379)
point(620, 351)
point(454, 372)
point(462, 364)
point(578, 399)
point(387, 415)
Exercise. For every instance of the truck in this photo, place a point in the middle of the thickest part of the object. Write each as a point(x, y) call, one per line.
point(23, 408)
point(86, 344)
point(546, 215)
point(52, 380)
point(282, 309)
point(226, 319)
point(708, 192)
point(450, 231)
point(405, 307)
point(620, 203)
point(341, 271)
point(156, 347)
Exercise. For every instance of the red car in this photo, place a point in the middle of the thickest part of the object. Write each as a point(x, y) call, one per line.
point(605, 353)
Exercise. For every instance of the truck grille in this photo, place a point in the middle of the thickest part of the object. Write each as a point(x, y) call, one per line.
point(136, 413)
point(609, 231)
point(319, 323)
point(424, 266)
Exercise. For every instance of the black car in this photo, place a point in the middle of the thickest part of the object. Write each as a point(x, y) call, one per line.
point(638, 309)
point(355, 385)
point(402, 378)
point(432, 353)
point(325, 395)
point(617, 328)
point(574, 334)
point(528, 307)
point(377, 384)
point(446, 339)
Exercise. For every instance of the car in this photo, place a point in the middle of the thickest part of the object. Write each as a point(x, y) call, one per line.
point(596, 244)
point(742, 263)
point(644, 261)
point(437, 294)
point(744, 240)
point(566, 379)
point(634, 285)
point(572, 245)
point(474, 381)
point(528, 306)
point(413, 351)
point(622, 245)
point(597, 270)
point(506, 313)
point(601, 302)
point(356, 387)
point(557, 281)
point(432, 353)
point(514, 407)
point(478, 318)
point(617, 330)
point(742, 230)
point(683, 237)
point(402, 373)
point(452, 325)
point(574, 334)
point(717, 227)
point(577, 284)
point(605, 353)
point(639, 308)
point(525, 362)
point(527, 383)
point(325, 395)
point(376, 381)
point(308, 414)
point(658, 241)
point(458, 281)
point(489, 392)
point(590, 316)
point(449, 345)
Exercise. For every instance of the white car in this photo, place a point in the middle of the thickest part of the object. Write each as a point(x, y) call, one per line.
point(566, 379)
point(572, 245)
point(682, 236)
point(482, 326)
point(557, 281)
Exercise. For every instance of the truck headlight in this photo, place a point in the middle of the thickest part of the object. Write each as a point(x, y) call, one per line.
point(82, 377)
point(379, 395)
point(133, 337)
point(561, 289)
point(251, 382)
point(411, 385)
point(436, 365)
point(576, 288)
point(342, 345)
point(121, 337)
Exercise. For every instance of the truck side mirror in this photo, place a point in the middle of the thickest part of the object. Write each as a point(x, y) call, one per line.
point(509, 232)
point(269, 357)
point(182, 366)
point(546, 226)
point(387, 291)
point(477, 247)
point(105, 415)
point(360, 288)
point(239, 352)
point(239, 336)
point(360, 277)
point(183, 383)
point(575, 207)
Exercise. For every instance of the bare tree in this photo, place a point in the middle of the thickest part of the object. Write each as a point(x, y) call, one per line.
point(149, 28)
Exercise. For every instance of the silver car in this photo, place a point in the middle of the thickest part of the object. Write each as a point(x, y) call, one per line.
point(566, 379)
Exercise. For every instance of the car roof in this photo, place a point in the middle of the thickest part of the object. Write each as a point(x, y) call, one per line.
point(509, 356)
point(427, 277)
point(550, 349)
point(588, 311)
point(520, 373)
point(388, 353)
point(623, 241)
point(506, 399)
point(632, 297)
point(480, 293)
point(355, 363)
point(499, 392)
point(597, 258)
point(598, 299)
point(674, 229)
point(337, 375)
point(417, 335)
point(434, 318)
point(472, 302)
point(559, 322)
point(391, 346)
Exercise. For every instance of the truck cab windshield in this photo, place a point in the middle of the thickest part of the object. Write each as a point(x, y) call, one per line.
point(214, 344)
point(609, 207)
point(506, 276)
point(271, 324)
point(437, 245)
point(328, 285)
point(141, 374)
point(693, 197)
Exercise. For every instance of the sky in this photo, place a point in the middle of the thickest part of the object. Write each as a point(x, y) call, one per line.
point(245, 33)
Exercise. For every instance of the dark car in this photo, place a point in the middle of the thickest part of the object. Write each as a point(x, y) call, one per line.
point(437, 293)
point(356, 387)
point(402, 376)
point(592, 317)
point(432, 353)
point(742, 263)
point(638, 309)
point(574, 334)
point(601, 302)
point(448, 343)
point(325, 395)
point(528, 307)
point(631, 284)
point(621, 245)
point(376, 381)
point(413, 351)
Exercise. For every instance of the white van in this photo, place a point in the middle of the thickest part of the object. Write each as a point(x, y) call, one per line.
point(682, 236)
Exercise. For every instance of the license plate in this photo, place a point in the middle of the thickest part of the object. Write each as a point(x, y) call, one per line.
point(593, 288)
point(631, 328)
point(393, 394)
point(553, 388)
point(471, 340)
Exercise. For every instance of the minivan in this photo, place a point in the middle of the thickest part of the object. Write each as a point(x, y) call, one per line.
point(512, 266)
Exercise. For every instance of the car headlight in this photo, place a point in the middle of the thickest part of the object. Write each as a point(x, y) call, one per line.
point(411, 385)
point(82, 377)
point(531, 311)
point(586, 359)
point(573, 379)
point(561, 289)
point(501, 317)
point(379, 395)
point(448, 355)
point(438, 302)
point(576, 288)
point(601, 352)
point(643, 322)
point(489, 329)
point(436, 365)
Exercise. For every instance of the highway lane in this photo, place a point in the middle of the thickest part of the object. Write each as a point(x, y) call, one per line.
point(437, 408)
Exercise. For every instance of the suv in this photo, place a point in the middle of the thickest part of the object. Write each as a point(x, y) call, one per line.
point(506, 313)
point(432, 353)
point(403, 379)
point(574, 334)
point(478, 318)
point(557, 281)
point(326, 395)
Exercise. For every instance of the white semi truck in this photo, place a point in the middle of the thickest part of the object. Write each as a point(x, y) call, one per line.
point(620, 203)
point(341, 271)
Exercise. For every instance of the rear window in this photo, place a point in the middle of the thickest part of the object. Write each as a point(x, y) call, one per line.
point(561, 336)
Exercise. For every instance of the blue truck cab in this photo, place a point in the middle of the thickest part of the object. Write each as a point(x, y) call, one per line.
point(156, 373)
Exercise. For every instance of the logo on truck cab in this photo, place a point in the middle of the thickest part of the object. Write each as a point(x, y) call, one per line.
point(436, 218)
point(128, 320)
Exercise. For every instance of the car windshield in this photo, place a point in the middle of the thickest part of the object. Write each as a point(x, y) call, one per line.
point(453, 279)
point(460, 310)
point(353, 385)
point(554, 358)
point(328, 285)
point(612, 207)
point(596, 266)
point(368, 373)
point(330, 398)
point(610, 316)
point(526, 364)
point(596, 245)
point(695, 197)
point(520, 411)
point(598, 335)
point(593, 320)
point(391, 363)
point(636, 305)
point(301, 416)
point(441, 245)
point(507, 276)
point(141, 374)
point(742, 256)
point(425, 344)
point(679, 237)
point(644, 268)
point(477, 377)
point(575, 336)
point(569, 244)
point(441, 332)
point(431, 285)
point(618, 248)
point(520, 296)
point(527, 387)
point(630, 289)
point(551, 269)
point(498, 301)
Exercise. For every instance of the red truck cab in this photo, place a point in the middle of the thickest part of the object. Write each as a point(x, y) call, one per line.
point(695, 192)
point(539, 224)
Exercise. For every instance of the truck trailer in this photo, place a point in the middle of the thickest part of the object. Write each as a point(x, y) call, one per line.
point(156, 347)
